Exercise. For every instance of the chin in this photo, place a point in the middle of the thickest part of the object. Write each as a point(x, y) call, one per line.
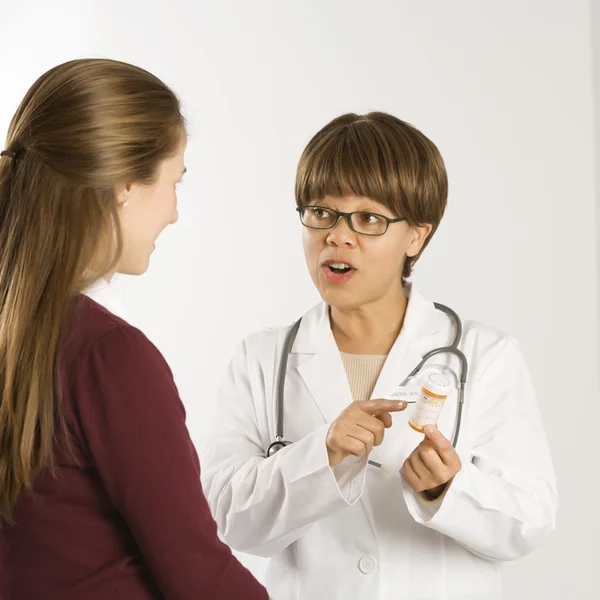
point(142, 268)
point(134, 268)
point(342, 299)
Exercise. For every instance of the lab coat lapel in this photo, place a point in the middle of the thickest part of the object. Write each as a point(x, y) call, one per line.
point(417, 337)
point(321, 367)
point(324, 375)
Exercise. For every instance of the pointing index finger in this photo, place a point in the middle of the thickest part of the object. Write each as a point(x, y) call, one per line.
point(377, 407)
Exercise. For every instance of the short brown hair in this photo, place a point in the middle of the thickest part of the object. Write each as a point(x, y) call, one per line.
point(380, 157)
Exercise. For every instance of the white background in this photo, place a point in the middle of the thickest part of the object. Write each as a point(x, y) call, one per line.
point(506, 90)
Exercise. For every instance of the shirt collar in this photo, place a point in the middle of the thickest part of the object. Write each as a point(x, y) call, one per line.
point(106, 295)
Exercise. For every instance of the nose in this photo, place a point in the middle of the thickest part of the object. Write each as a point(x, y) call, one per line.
point(175, 218)
point(341, 234)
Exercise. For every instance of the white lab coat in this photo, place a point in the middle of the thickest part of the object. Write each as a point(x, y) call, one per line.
point(354, 532)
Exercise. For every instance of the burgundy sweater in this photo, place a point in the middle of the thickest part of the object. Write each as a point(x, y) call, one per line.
point(125, 518)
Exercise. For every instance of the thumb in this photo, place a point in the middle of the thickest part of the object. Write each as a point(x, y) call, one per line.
point(433, 433)
point(435, 436)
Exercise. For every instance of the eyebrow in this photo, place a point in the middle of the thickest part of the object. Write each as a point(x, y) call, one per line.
point(374, 211)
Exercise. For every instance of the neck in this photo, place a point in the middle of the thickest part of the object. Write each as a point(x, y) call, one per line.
point(372, 328)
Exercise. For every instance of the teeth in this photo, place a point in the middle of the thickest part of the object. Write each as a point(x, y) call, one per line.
point(339, 266)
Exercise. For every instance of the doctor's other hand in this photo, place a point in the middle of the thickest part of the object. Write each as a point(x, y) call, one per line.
point(359, 427)
point(432, 465)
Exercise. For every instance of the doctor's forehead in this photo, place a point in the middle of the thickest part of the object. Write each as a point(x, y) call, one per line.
point(352, 204)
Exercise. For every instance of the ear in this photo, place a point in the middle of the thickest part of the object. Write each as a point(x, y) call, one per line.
point(419, 234)
point(124, 194)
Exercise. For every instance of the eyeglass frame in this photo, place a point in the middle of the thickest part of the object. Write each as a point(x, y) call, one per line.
point(348, 217)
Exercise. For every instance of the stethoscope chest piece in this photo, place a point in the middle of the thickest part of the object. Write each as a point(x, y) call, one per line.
point(276, 446)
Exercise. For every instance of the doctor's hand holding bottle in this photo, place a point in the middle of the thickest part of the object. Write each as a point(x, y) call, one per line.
point(432, 465)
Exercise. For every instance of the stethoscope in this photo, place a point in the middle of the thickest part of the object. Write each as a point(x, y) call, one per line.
point(280, 442)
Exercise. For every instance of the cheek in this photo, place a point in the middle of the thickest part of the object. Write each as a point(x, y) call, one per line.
point(167, 200)
point(386, 256)
point(146, 222)
point(312, 245)
point(163, 209)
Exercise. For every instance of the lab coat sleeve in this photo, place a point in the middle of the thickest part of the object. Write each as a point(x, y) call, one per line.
point(503, 502)
point(262, 505)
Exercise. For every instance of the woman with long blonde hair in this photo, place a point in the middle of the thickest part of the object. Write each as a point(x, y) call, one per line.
point(100, 493)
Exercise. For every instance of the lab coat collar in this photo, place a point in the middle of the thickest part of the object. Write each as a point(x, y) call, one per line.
point(105, 294)
point(421, 321)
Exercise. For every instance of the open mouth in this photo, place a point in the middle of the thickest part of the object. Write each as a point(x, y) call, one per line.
point(339, 268)
point(337, 271)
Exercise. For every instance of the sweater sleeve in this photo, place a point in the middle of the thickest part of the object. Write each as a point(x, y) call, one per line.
point(134, 426)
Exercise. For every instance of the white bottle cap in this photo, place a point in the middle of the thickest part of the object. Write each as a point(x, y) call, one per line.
point(437, 384)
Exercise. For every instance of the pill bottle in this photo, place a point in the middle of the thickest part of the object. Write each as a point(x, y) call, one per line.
point(434, 391)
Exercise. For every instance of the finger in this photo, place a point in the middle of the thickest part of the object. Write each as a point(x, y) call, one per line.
point(343, 442)
point(372, 424)
point(434, 463)
point(411, 477)
point(376, 407)
point(354, 446)
point(386, 419)
point(379, 433)
point(360, 433)
point(420, 468)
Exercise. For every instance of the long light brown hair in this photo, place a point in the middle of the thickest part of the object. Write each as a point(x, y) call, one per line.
point(380, 157)
point(83, 129)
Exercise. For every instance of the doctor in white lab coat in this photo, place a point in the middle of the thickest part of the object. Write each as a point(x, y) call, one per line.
point(441, 524)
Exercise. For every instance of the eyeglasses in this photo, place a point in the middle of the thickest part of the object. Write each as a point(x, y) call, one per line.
point(364, 223)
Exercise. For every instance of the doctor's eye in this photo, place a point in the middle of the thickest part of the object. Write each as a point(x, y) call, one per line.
point(369, 223)
point(320, 213)
point(366, 218)
point(318, 217)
